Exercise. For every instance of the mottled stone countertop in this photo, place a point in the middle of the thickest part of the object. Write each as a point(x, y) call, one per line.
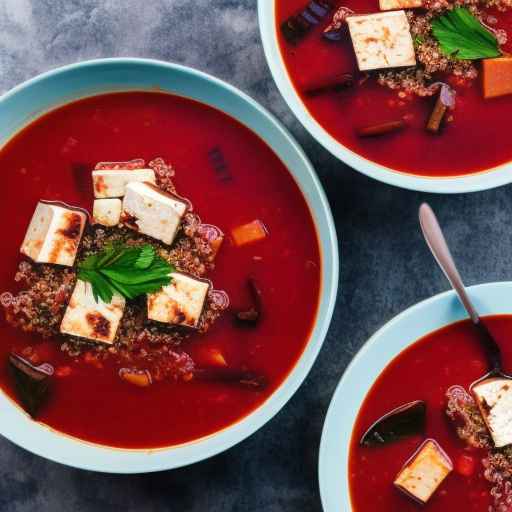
point(385, 264)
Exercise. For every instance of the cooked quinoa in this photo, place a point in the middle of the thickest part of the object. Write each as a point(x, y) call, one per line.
point(44, 292)
point(470, 427)
point(432, 64)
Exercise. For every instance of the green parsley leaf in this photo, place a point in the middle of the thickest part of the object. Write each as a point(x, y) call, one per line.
point(126, 270)
point(418, 40)
point(462, 36)
point(146, 257)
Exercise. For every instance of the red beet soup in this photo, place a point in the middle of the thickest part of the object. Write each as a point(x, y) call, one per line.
point(156, 384)
point(388, 115)
point(438, 370)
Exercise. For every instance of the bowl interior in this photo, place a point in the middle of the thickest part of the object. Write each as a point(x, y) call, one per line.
point(454, 184)
point(376, 354)
point(46, 92)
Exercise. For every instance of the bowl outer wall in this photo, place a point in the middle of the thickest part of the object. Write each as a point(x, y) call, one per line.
point(484, 180)
point(398, 334)
point(39, 95)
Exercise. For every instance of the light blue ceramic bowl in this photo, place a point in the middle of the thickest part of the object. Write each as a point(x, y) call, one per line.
point(468, 183)
point(381, 348)
point(28, 101)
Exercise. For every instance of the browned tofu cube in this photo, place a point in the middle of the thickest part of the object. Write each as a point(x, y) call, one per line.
point(389, 5)
point(424, 472)
point(494, 398)
point(382, 40)
point(497, 77)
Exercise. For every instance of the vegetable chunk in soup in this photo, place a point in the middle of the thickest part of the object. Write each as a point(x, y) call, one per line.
point(419, 86)
point(168, 302)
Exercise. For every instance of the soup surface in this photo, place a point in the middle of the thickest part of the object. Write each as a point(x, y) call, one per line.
point(425, 371)
point(474, 139)
point(52, 159)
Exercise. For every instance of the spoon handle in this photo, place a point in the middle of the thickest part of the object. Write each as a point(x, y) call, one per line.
point(437, 244)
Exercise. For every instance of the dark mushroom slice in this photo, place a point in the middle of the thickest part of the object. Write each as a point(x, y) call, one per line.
point(244, 378)
point(219, 164)
point(336, 83)
point(252, 316)
point(445, 101)
point(296, 27)
point(81, 173)
point(31, 382)
point(379, 129)
point(404, 421)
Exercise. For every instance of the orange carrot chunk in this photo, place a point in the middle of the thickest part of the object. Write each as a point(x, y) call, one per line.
point(140, 378)
point(248, 233)
point(497, 77)
point(210, 358)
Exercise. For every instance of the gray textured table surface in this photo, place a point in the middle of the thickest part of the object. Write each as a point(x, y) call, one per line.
point(385, 265)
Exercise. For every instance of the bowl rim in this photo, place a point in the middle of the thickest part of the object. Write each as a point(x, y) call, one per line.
point(482, 180)
point(58, 447)
point(378, 351)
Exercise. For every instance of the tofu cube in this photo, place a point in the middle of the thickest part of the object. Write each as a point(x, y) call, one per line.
point(497, 77)
point(107, 211)
point(494, 399)
point(390, 5)
point(86, 318)
point(153, 212)
point(424, 472)
point(112, 182)
point(54, 234)
point(181, 302)
point(382, 40)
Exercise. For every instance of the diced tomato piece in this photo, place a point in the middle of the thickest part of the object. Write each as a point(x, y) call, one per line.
point(90, 358)
point(466, 465)
point(63, 371)
point(215, 244)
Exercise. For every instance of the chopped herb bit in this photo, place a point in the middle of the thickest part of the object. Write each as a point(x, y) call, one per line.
point(462, 36)
point(418, 40)
point(127, 271)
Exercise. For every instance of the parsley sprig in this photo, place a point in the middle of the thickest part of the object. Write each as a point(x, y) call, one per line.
point(128, 271)
point(462, 36)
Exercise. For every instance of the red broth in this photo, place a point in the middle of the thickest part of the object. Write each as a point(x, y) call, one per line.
point(52, 159)
point(476, 140)
point(424, 371)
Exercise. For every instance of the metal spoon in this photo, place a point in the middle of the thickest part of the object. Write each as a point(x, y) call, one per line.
point(437, 244)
